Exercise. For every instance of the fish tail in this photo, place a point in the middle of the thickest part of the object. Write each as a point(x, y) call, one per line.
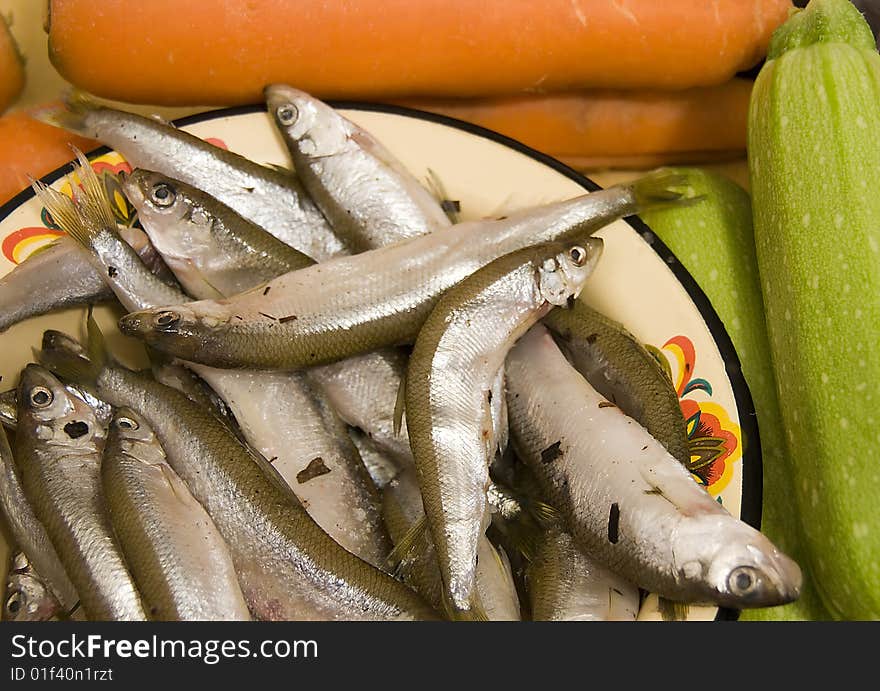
point(525, 537)
point(60, 206)
point(85, 216)
point(414, 541)
point(671, 610)
point(68, 115)
point(93, 199)
point(474, 612)
point(661, 188)
point(544, 514)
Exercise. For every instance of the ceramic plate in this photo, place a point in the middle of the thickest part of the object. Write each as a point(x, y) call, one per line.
point(638, 281)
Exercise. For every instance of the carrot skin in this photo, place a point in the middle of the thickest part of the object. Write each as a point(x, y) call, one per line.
point(12, 76)
point(601, 128)
point(30, 147)
point(165, 52)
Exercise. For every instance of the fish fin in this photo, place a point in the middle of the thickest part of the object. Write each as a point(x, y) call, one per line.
point(542, 514)
point(523, 535)
point(400, 405)
point(475, 612)
point(451, 207)
point(545, 515)
point(164, 121)
point(94, 199)
point(96, 346)
point(60, 207)
point(500, 425)
point(670, 610)
point(158, 359)
point(414, 539)
point(174, 483)
point(69, 115)
point(281, 169)
point(661, 188)
point(217, 294)
point(88, 213)
point(657, 354)
point(502, 559)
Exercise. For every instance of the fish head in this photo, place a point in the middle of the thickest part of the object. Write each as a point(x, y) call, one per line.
point(57, 415)
point(177, 224)
point(58, 340)
point(131, 427)
point(315, 128)
point(27, 598)
point(180, 330)
point(563, 275)
point(733, 564)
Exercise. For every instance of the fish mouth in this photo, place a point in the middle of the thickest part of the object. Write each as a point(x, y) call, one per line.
point(278, 93)
point(132, 188)
point(134, 324)
point(788, 579)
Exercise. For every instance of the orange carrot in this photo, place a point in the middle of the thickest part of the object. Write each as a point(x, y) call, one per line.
point(619, 129)
point(166, 52)
point(11, 68)
point(30, 147)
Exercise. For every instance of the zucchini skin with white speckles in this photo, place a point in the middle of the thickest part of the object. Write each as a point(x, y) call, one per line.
point(814, 162)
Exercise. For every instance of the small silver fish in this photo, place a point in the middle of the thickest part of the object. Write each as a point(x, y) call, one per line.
point(60, 276)
point(172, 546)
point(450, 379)
point(566, 584)
point(54, 278)
point(271, 198)
point(27, 531)
point(212, 250)
point(357, 304)
point(402, 509)
point(626, 500)
point(27, 596)
point(288, 567)
point(59, 443)
point(370, 199)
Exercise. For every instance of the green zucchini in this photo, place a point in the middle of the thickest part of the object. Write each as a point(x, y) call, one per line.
point(714, 241)
point(814, 169)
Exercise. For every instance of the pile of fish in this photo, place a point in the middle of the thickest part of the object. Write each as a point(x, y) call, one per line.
point(357, 406)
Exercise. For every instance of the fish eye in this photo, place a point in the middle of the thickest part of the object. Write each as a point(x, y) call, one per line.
point(126, 422)
point(15, 602)
point(162, 194)
point(286, 113)
point(167, 319)
point(41, 396)
point(742, 580)
point(578, 255)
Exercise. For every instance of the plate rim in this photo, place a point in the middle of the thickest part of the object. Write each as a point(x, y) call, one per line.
point(751, 501)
